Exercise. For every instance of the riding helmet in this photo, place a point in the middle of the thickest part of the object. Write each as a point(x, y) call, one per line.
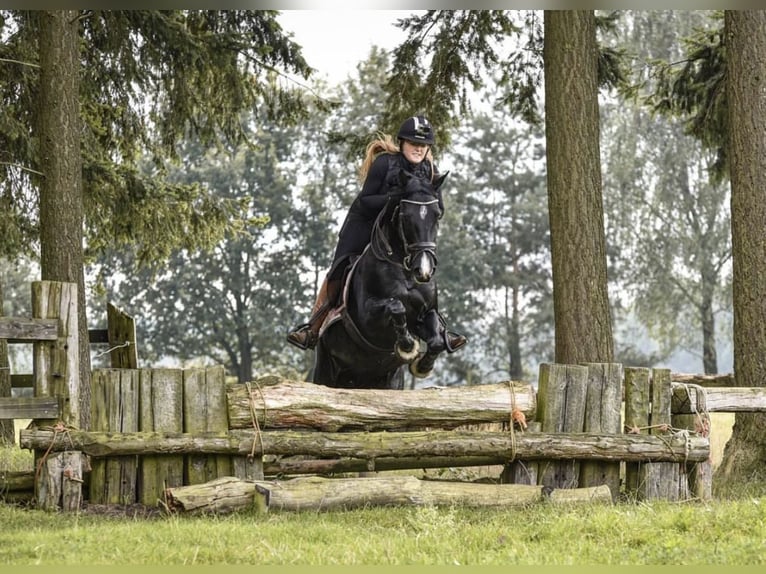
point(417, 129)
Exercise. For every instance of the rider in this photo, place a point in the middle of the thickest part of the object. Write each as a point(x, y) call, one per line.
point(382, 162)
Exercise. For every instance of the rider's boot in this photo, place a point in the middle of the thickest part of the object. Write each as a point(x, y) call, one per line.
point(306, 335)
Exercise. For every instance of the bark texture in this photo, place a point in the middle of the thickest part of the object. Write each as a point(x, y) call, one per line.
point(578, 250)
point(745, 37)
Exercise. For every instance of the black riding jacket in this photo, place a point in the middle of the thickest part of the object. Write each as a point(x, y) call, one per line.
point(355, 233)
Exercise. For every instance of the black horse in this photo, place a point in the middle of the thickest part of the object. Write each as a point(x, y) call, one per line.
point(389, 316)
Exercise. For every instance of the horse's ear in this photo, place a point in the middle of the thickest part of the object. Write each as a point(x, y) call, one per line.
point(404, 178)
point(440, 180)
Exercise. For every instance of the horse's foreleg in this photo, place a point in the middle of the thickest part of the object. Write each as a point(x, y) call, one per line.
point(430, 330)
point(406, 345)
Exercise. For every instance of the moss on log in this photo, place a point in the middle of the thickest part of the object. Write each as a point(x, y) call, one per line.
point(554, 446)
point(229, 494)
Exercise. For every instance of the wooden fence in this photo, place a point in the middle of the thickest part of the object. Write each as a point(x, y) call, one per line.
point(632, 431)
point(160, 430)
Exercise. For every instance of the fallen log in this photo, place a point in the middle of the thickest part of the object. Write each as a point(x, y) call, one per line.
point(681, 447)
point(722, 380)
point(717, 399)
point(279, 403)
point(229, 494)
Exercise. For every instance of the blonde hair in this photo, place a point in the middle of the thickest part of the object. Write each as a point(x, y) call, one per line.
point(384, 143)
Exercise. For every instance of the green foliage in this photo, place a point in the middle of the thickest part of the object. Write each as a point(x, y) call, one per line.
point(693, 89)
point(148, 79)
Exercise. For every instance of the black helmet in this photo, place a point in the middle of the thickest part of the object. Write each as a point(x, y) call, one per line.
point(417, 129)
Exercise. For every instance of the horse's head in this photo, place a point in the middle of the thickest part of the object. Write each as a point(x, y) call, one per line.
point(417, 219)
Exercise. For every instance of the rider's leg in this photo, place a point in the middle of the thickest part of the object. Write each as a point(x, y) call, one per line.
point(305, 336)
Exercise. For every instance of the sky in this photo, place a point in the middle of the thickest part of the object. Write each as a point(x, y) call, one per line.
point(335, 41)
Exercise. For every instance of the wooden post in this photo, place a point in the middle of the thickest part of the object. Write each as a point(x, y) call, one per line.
point(561, 407)
point(121, 332)
point(59, 484)
point(56, 369)
point(161, 409)
point(205, 410)
point(114, 408)
point(698, 475)
point(603, 412)
point(57, 363)
point(7, 428)
point(647, 411)
point(661, 479)
point(637, 397)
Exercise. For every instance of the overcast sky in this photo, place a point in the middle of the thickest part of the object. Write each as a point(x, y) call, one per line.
point(335, 41)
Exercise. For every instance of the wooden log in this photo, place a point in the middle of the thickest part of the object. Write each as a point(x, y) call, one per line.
point(12, 480)
point(371, 446)
point(520, 471)
point(28, 329)
point(722, 380)
point(229, 494)
point(31, 407)
point(603, 412)
point(56, 364)
point(285, 404)
point(114, 408)
point(204, 399)
point(561, 391)
point(161, 410)
point(720, 399)
point(287, 465)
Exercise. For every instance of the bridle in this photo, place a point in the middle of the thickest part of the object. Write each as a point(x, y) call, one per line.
point(382, 248)
point(414, 248)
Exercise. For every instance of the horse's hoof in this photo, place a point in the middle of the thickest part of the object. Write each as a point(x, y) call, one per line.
point(417, 374)
point(408, 355)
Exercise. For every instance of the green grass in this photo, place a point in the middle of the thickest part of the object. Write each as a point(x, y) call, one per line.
point(730, 530)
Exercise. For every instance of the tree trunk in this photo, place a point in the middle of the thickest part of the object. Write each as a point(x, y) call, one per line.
point(744, 457)
point(61, 201)
point(580, 298)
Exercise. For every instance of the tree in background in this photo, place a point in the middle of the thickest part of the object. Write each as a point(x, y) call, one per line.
point(136, 81)
point(494, 266)
point(668, 219)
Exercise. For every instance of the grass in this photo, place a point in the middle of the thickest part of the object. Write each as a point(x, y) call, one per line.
point(730, 532)
point(733, 533)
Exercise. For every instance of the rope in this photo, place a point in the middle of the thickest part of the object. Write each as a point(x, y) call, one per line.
point(125, 344)
point(516, 416)
point(701, 422)
point(254, 419)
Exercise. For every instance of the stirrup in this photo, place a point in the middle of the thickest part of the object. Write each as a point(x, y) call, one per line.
point(460, 341)
point(302, 337)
